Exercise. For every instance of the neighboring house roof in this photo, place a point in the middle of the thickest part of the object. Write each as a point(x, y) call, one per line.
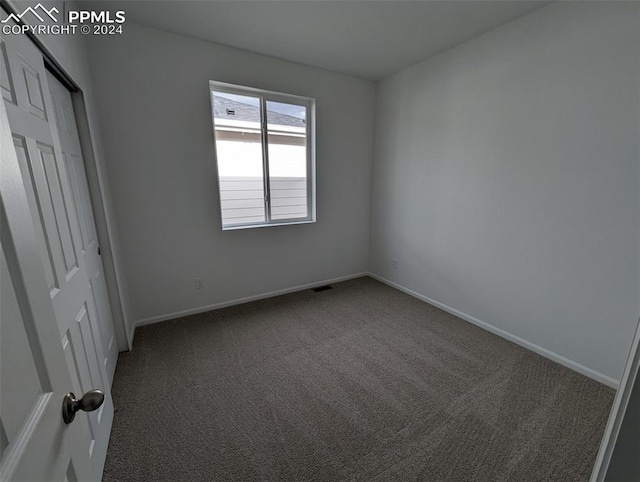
point(230, 109)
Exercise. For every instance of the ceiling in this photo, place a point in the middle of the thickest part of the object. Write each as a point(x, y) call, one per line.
point(368, 39)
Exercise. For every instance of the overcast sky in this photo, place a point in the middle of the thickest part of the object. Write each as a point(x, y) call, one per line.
point(288, 109)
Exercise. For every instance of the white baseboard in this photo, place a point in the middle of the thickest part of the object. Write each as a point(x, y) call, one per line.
point(562, 360)
point(132, 334)
point(239, 301)
point(575, 366)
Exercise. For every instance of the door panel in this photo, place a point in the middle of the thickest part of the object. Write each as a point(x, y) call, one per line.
point(54, 192)
point(75, 168)
point(19, 394)
point(45, 175)
point(82, 358)
point(33, 87)
point(20, 144)
point(100, 329)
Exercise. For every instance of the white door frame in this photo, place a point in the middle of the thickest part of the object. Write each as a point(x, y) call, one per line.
point(618, 409)
point(124, 335)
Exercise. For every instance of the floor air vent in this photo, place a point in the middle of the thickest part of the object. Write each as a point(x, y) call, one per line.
point(322, 288)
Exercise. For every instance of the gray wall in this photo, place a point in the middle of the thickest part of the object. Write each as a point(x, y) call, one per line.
point(155, 112)
point(506, 180)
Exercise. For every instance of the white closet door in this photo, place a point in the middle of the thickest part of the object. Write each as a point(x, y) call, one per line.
point(76, 294)
point(89, 248)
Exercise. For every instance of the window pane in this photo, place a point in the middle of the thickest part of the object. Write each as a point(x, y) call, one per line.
point(286, 129)
point(239, 151)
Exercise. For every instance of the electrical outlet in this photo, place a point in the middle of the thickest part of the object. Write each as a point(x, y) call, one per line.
point(199, 283)
point(394, 263)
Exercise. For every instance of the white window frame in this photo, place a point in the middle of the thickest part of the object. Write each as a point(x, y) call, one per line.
point(310, 121)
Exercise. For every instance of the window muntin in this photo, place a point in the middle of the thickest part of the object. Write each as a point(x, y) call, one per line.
point(264, 153)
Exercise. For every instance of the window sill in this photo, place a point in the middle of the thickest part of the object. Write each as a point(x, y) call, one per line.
point(267, 225)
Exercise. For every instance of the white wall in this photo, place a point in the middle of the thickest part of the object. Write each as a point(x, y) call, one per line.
point(154, 104)
point(70, 53)
point(506, 180)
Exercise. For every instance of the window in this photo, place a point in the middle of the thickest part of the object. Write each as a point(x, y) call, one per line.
point(265, 152)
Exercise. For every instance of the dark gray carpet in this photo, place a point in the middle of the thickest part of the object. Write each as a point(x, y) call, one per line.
point(361, 382)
